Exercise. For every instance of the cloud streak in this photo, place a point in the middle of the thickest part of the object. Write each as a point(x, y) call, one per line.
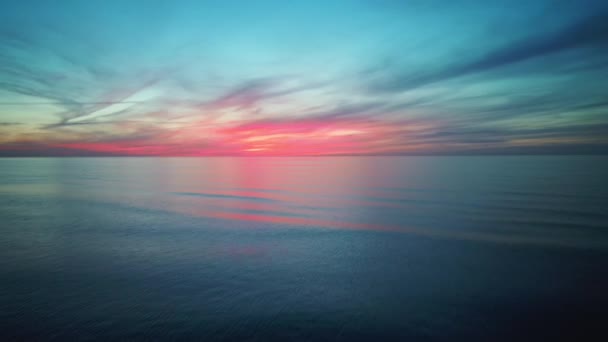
point(591, 31)
point(202, 82)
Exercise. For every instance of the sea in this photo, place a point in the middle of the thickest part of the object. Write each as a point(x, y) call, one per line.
point(425, 248)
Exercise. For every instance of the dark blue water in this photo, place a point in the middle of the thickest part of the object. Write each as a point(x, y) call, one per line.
point(375, 248)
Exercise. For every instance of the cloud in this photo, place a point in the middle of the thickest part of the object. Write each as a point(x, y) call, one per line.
point(251, 93)
point(21, 73)
point(84, 90)
point(126, 90)
point(591, 31)
point(41, 149)
point(244, 96)
point(469, 137)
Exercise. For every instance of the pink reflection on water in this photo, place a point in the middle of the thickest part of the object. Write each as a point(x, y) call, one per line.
point(296, 191)
point(328, 192)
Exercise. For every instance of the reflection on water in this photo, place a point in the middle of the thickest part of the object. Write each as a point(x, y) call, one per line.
point(303, 248)
point(509, 199)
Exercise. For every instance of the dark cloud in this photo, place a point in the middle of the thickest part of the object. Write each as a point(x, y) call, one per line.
point(478, 137)
point(514, 106)
point(243, 96)
point(39, 149)
point(592, 31)
point(366, 109)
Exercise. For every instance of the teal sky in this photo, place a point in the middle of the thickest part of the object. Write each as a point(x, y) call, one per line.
point(303, 77)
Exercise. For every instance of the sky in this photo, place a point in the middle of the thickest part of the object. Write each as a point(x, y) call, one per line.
point(303, 77)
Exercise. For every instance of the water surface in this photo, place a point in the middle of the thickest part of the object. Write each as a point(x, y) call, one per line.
point(332, 248)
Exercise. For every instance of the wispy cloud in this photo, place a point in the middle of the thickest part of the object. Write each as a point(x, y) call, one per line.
point(590, 32)
point(201, 81)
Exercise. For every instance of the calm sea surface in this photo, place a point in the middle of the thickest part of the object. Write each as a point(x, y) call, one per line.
point(345, 248)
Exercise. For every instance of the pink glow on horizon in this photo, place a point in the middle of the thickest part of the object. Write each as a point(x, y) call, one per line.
point(264, 138)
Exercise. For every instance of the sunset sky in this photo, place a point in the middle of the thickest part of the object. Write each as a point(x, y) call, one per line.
point(306, 77)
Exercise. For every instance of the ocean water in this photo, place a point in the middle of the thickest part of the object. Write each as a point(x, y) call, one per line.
point(329, 248)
